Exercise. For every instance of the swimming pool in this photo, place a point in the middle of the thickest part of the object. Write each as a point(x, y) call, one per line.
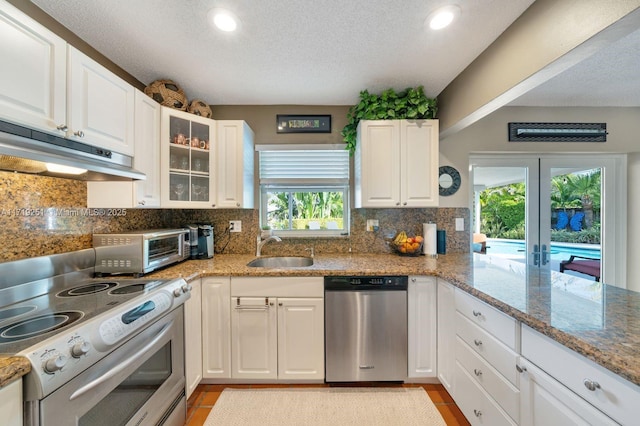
point(559, 251)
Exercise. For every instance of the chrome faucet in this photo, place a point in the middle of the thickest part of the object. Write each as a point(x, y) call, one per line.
point(261, 243)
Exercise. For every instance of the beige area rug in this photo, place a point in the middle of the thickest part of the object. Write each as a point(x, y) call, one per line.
point(325, 406)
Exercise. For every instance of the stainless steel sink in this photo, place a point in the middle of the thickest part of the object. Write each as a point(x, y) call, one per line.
point(280, 262)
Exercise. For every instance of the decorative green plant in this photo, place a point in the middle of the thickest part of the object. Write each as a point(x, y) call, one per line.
point(411, 103)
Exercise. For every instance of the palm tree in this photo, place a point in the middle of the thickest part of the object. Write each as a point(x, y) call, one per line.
point(586, 187)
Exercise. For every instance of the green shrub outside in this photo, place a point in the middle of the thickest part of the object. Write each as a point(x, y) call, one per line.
point(304, 223)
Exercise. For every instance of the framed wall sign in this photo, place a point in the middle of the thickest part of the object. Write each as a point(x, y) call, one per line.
point(303, 123)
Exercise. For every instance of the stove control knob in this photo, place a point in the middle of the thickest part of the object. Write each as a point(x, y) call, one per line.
point(186, 288)
point(80, 349)
point(54, 364)
point(177, 292)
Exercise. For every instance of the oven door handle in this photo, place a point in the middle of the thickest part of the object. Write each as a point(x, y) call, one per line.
point(120, 367)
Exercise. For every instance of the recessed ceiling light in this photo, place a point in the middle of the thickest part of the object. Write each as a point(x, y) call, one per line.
point(223, 19)
point(442, 17)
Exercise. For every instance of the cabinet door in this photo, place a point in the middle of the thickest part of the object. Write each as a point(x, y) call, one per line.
point(142, 193)
point(377, 164)
point(446, 334)
point(421, 310)
point(11, 403)
point(419, 161)
point(147, 151)
point(216, 328)
point(193, 338)
point(187, 160)
point(235, 153)
point(100, 105)
point(545, 402)
point(33, 72)
point(254, 338)
point(300, 338)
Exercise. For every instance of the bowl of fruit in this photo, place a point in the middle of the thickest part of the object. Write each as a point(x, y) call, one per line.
point(406, 245)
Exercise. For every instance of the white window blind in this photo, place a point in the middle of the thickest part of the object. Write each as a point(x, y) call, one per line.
point(299, 166)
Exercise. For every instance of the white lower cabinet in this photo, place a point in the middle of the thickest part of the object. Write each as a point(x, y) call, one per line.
point(486, 380)
point(300, 338)
point(193, 338)
point(11, 403)
point(582, 380)
point(475, 403)
point(422, 317)
point(216, 328)
point(277, 338)
point(446, 334)
point(254, 334)
point(546, 402)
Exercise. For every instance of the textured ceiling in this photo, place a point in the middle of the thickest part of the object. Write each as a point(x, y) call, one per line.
point(608, 78)
point(321, 52)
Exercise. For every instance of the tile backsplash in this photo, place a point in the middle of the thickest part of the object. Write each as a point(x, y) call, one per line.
point(42, 216)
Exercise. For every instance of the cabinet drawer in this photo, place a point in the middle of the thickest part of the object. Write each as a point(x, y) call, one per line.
point(503, 392)
point(615, 396)
point(491, 349)
point(478, 407)
point(495, 322)
point(277, 286)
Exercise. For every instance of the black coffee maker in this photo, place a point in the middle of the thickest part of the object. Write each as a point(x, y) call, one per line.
point(201, 241)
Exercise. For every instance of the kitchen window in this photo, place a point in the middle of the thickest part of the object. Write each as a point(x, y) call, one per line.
point(304, 189)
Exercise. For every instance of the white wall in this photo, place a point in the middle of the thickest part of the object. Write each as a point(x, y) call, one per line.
point(491, 135)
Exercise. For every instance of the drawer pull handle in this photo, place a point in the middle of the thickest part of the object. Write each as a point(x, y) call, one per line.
point(521, 369)
point(79, 134)
point(478, 413)
point(477, 342)
point(476, 313)
point(591, 385)
point(477, 372)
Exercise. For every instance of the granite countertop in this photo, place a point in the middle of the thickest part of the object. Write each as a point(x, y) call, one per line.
point(12, 368)
point(599, 321)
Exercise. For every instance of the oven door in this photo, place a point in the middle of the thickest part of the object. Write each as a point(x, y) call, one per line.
point(140, 383)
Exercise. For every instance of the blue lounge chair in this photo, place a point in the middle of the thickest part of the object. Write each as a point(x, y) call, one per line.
point(563, 220)
point(576, 221)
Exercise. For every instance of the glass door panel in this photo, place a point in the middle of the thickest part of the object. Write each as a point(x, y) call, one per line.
point(574, 209)
point(505, 208)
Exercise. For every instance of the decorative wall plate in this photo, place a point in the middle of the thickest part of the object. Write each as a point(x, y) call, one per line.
point(449, 180)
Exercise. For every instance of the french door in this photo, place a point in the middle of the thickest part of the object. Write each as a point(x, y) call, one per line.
point(568, 200)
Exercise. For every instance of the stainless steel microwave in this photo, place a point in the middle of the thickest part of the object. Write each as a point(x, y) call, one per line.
point(140, 252)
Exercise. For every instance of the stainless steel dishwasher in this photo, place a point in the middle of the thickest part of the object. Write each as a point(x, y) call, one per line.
point(365, 328)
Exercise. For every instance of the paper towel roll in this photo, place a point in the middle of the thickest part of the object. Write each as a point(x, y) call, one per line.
point(429, 233)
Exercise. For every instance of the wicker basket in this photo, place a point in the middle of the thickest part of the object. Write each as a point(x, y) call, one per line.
point(405, 251)
point(167, 93)
point(200, 108)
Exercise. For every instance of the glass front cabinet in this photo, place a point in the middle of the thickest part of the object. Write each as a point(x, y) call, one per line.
point(187, 160)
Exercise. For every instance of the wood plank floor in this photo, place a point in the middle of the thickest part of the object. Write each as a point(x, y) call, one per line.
point(205, 396)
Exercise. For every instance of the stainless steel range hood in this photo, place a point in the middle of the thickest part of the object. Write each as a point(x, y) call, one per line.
point(26, 150)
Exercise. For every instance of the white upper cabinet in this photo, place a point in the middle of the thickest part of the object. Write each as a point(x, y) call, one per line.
point(187, 160)
point(140, 193)
point(100, 106)
point(146, 193)
point(33, 72)
point(235, 154)
point(396, 164)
